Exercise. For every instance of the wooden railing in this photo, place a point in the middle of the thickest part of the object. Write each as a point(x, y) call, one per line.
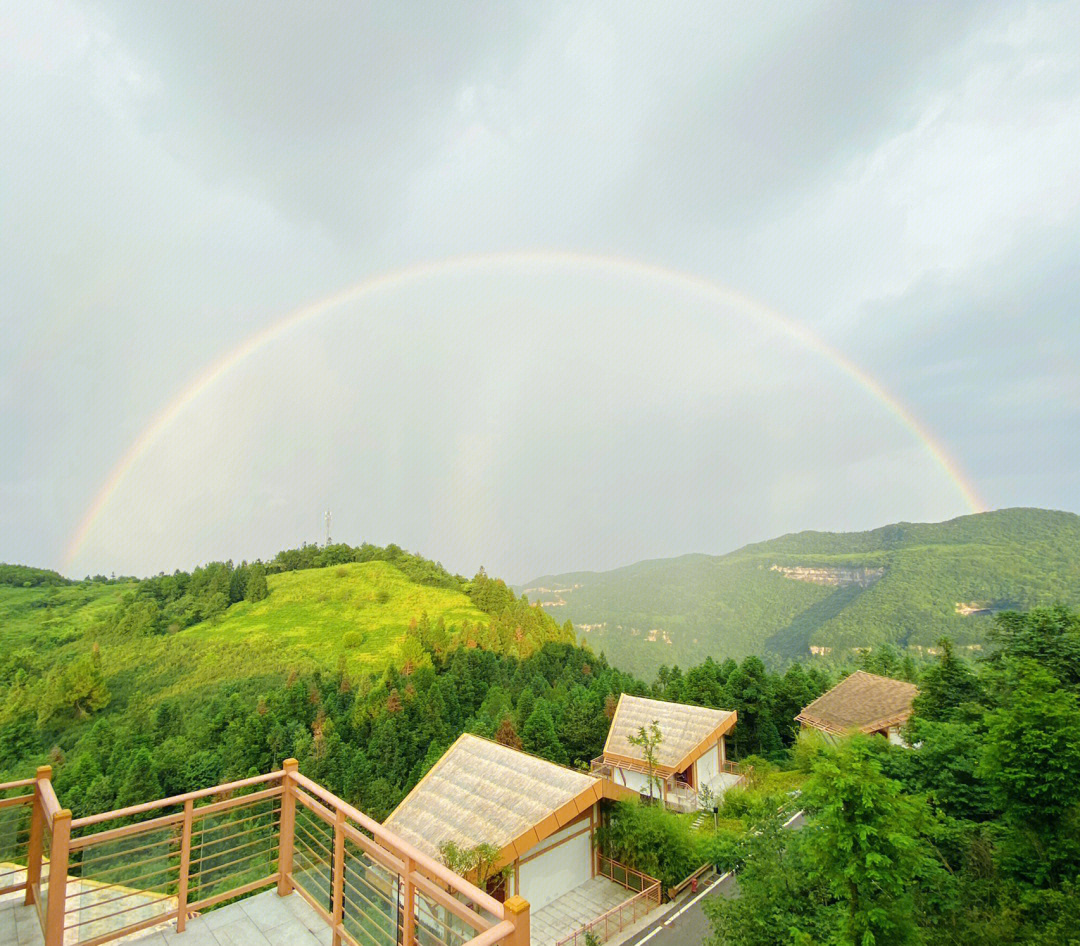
point(627, 877)
point(735, 768)
point(602, 928)
point(16, 808)
point(673, 892)
point(106, 876)
point(681, 797)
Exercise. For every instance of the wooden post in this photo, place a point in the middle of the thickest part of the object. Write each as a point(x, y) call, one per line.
point(516, 910)
point(408, 897)
point(37, 832)
point(185, 864)
point(338, 910)
point(286, 829)
point(58, 866)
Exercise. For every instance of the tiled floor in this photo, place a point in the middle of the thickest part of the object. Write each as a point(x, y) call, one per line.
point(574, 909)
point(262, 920)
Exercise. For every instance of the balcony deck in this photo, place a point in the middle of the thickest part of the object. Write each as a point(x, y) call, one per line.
point(263, 920)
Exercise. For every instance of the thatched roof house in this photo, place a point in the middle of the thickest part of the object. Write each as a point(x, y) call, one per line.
point(687, 732)
point(482, 792)
point(862, 702)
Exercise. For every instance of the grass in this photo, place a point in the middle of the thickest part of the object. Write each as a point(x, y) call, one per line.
point(310, 621)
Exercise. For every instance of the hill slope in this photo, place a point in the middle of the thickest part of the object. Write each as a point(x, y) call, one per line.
point(67, 661)
point(904, 584)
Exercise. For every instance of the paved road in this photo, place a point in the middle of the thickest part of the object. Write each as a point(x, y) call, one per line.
point(685, 924)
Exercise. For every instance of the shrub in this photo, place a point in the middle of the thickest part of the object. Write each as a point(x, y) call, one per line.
point(653, 840)
point(353, 639)
point(726, 850)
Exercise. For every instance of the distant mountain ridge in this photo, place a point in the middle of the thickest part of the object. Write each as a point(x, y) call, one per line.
point(822, 593)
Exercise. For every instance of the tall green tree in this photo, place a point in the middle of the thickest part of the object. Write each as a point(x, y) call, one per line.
point(539, 737)
point(648, 739)
point(1031, 759)
point(946, 686)
point(865, 845)
point(256, 589)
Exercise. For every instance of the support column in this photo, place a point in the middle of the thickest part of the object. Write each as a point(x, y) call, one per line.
point(286, 829)
point(185, 866)
point(516, 910)
point(58, 868)
point(37, 833)
point(408, 904)
point(338, 911)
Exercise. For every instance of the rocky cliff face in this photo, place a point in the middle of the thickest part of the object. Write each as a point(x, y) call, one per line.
point(835, 576)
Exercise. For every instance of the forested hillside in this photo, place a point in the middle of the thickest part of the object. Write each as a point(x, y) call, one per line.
point(824, 593)
point(73, 654)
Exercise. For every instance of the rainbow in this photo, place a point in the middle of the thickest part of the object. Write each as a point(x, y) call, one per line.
point(536, 259)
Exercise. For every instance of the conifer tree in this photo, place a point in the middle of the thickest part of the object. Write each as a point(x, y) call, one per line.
point(539, 737)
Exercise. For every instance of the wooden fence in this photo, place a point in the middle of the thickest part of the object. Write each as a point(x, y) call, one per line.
point(106, 876)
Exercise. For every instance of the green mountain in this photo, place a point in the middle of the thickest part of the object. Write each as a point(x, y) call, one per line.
point(823, 593)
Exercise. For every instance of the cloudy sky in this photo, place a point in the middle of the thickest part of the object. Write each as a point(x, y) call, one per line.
point(875, 206)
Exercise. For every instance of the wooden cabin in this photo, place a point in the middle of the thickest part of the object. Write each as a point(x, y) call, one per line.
point(691, 754)
point(862, 702)
point(541, 816)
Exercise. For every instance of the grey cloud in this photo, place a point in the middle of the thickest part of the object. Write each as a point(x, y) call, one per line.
point(901, 178)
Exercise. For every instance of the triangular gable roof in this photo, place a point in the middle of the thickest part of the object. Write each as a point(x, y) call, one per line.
point(687, 732)
point(862, 701)
point(482, 792)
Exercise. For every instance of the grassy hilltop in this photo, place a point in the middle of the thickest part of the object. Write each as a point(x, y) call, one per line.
point(72, 653)
point(904, 585)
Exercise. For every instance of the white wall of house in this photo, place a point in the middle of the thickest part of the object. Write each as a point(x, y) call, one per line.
point(559, 867)
point(638, 781)
point(707, 767)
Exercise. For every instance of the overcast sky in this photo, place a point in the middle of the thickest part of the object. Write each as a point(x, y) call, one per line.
point(900, 179)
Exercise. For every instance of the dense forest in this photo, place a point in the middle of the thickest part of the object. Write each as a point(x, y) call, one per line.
point(971, 837)
point(371, 738)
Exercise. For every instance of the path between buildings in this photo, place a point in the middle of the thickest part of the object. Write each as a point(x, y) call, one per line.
point(685, 923)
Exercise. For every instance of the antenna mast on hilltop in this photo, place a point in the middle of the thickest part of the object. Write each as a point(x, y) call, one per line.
point(327, 526)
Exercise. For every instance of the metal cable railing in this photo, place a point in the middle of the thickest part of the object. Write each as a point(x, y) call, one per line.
point(96, 879)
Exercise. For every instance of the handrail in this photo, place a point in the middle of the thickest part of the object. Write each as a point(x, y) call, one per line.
point(174, 800)
point(645, 879)
point(19, 783)
point(49, 803)
point(602, 920)
point(389, 839)
point(61, 898)
point(686, 881)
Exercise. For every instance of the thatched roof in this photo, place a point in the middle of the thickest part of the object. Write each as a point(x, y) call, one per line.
point(863, 701)
point(687, 732)
point(482, 792)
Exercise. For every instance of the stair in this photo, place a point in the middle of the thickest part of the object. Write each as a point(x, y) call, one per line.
point(699, 820)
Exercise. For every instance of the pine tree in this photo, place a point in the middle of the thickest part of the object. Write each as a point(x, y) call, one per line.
point(945, 686)
point(140, 783)
point(256, 588)
point(539, 737)
point(506, 734)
